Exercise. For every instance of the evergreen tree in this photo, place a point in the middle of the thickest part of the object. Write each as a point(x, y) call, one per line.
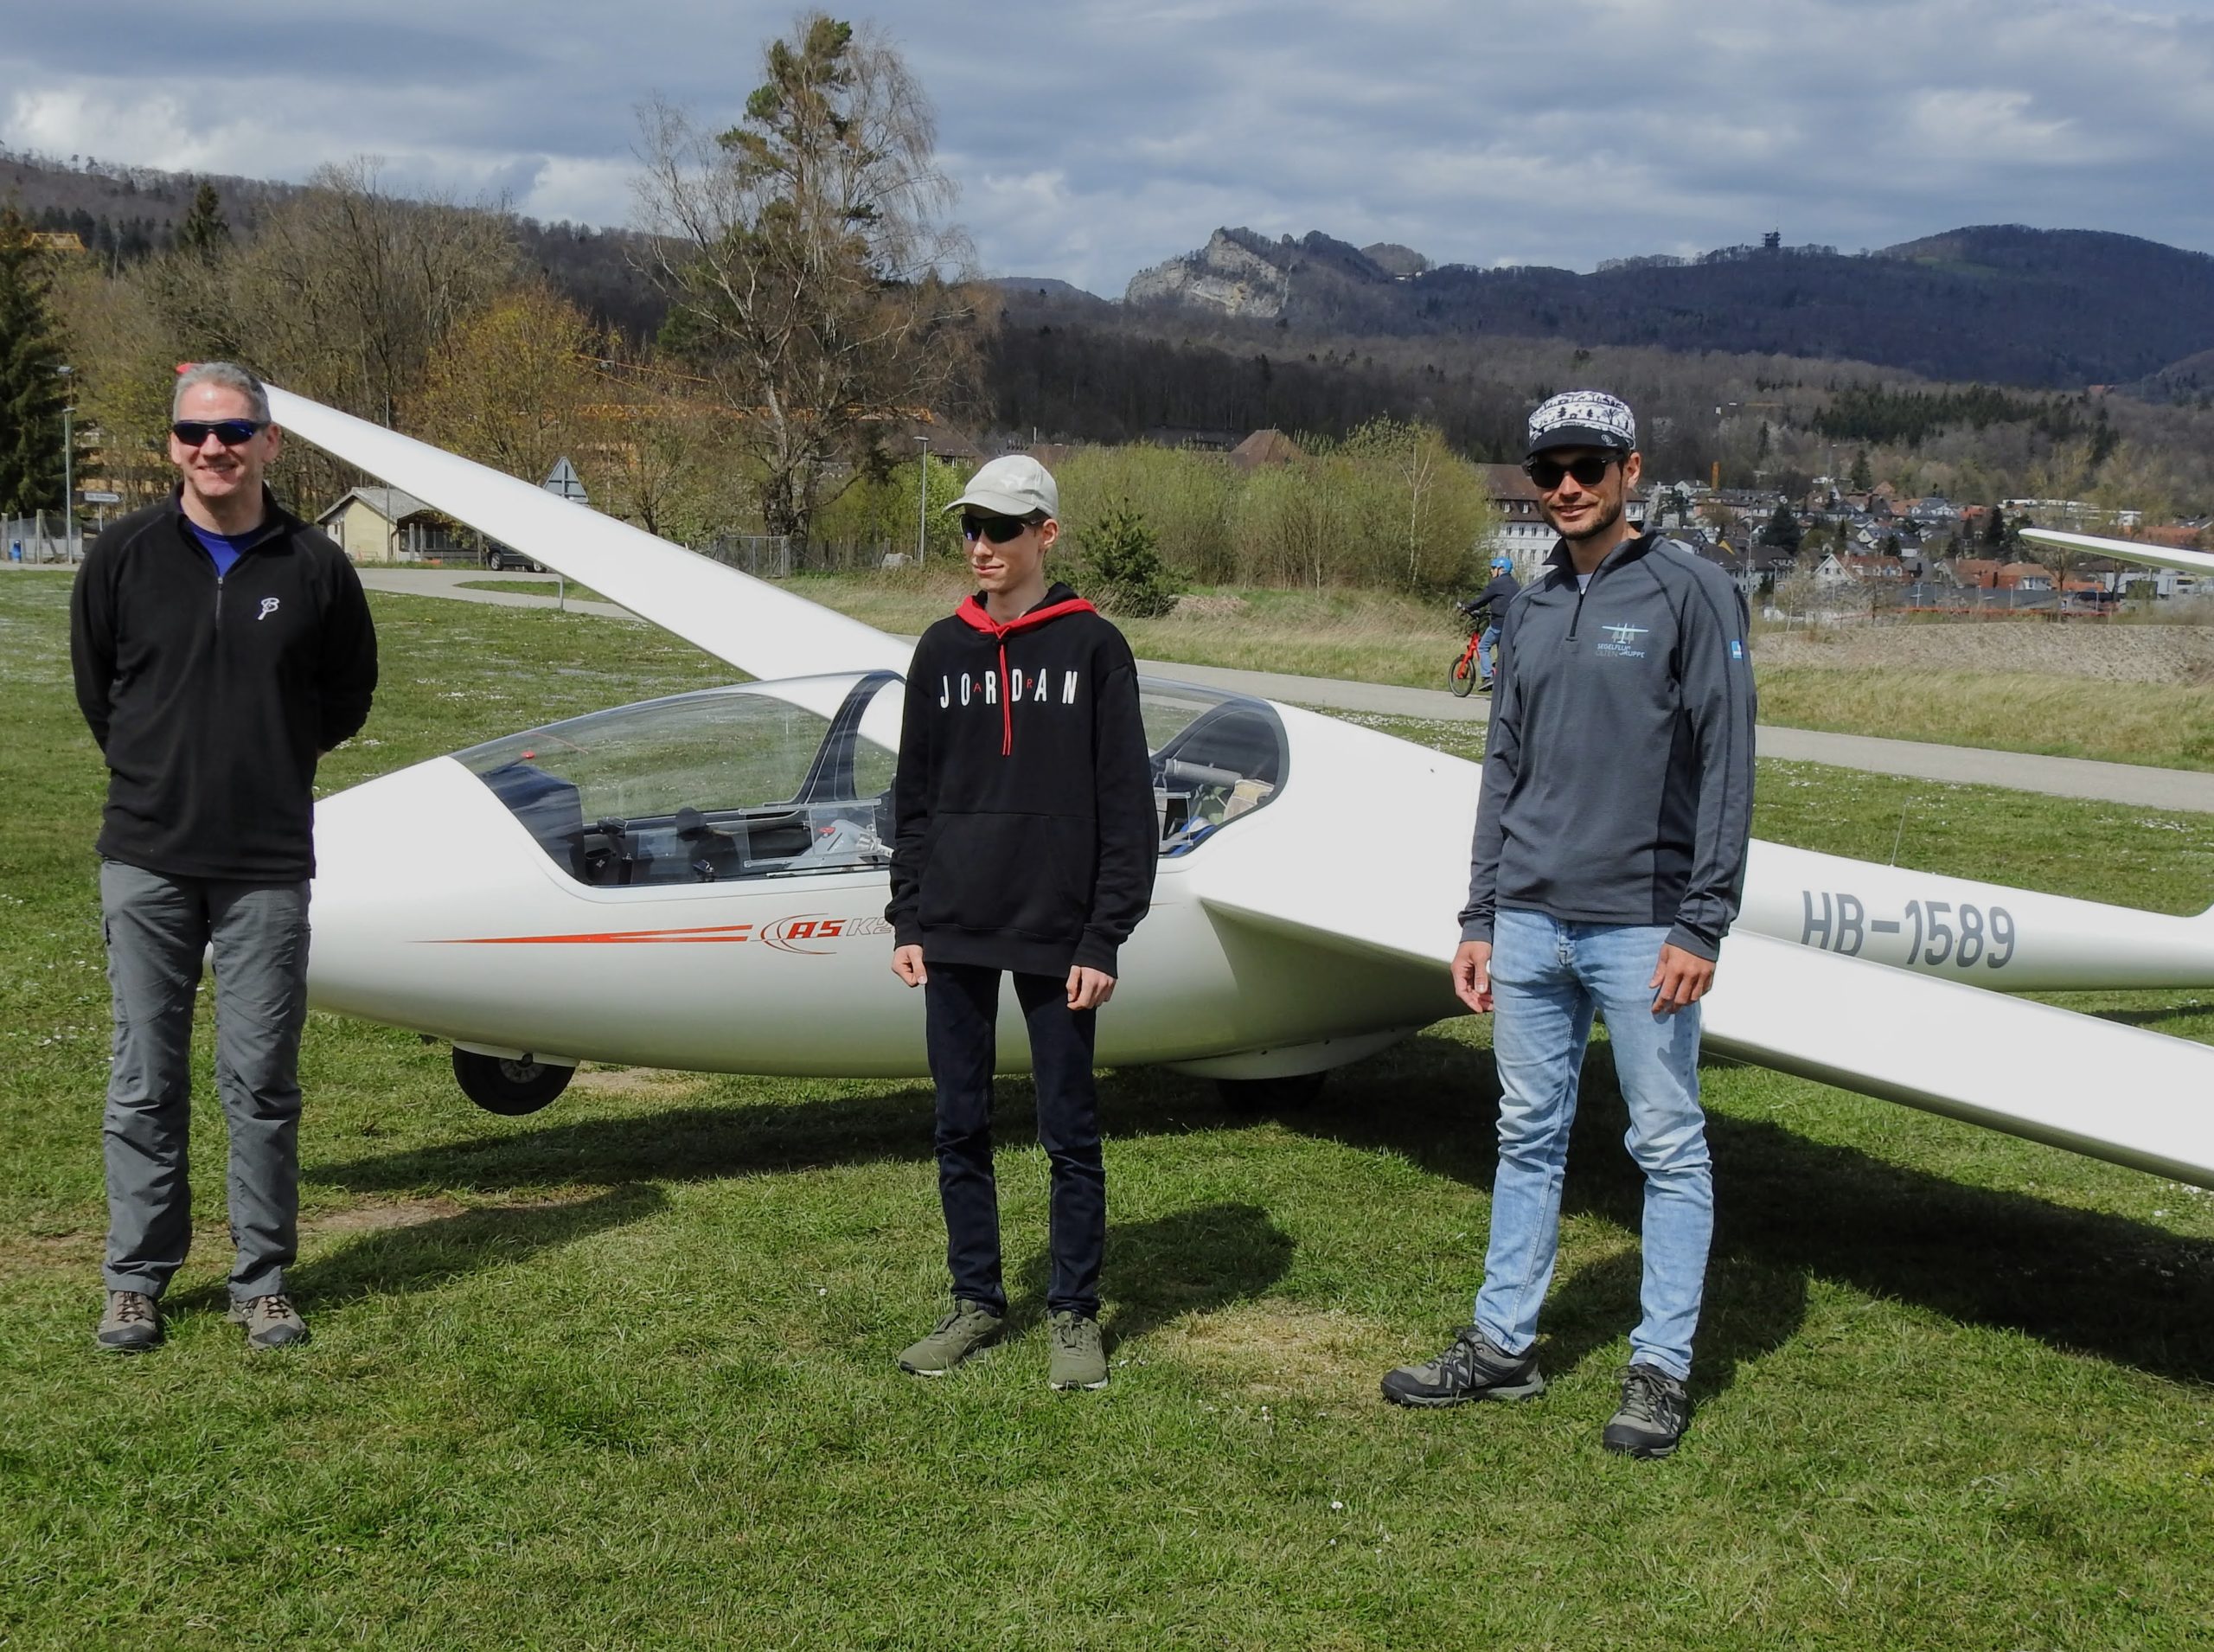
point(1783, 529)
point(1122, 565)
point(1995, 528)
point(32, 394)
point(1861, 479)
point(204, 232)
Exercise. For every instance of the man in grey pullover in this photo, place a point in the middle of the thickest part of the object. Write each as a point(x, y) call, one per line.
point(1608, 859)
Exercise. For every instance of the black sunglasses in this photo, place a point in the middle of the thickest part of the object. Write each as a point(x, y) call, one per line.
point(1546, 474)
point(998, 529)
point(231, 432)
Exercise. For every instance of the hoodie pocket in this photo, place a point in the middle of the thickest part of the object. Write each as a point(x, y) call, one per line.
point(1032, 873)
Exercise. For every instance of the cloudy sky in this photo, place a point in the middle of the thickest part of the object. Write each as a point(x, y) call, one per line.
point(1090, 140)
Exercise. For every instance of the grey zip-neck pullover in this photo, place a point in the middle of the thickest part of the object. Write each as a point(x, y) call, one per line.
point(1618, 776)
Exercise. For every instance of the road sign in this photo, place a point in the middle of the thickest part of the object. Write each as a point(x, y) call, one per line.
point(563, 479)
point(101, 496)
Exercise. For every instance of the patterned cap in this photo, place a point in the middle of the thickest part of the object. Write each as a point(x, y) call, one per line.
point(1583, 419)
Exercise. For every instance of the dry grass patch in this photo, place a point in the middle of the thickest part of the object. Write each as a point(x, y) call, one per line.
point(1275, 1349)
point(25, 1255)
point(373, 1219)
point(649, 1083)
point(2168, 655)
point(2171, 726)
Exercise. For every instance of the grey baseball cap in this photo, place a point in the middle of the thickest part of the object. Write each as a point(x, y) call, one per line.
point(1583, 419)
point(1013, 484)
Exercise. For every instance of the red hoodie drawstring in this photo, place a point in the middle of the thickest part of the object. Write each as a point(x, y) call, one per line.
point(1006, 703)
point(971, 611)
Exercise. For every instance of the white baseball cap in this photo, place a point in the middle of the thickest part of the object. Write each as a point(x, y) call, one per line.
point(1013, 484)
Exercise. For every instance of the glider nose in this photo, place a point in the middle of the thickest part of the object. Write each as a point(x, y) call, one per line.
point(411, 857)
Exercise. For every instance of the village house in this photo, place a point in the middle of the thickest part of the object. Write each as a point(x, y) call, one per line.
point(390, 525)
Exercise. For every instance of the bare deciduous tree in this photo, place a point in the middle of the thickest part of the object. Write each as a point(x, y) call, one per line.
point(811, 276)
point(347, 289)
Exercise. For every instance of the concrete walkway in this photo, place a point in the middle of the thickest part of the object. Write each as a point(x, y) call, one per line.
point(2060, 777)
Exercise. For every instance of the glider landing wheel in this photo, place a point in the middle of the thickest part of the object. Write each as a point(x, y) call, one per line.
point(1271, 1095)
point(501, 1084)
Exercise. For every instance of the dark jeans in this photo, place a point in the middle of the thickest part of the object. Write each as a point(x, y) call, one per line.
point(962, 1001)
point(156, 928)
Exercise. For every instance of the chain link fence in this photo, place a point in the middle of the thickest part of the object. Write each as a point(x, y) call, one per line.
point(765, 556)
point(40, 539)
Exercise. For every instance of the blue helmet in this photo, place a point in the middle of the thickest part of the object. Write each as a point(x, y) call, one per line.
point(1502, 563)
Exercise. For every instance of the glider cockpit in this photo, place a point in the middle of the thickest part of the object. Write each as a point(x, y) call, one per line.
point(755, 781)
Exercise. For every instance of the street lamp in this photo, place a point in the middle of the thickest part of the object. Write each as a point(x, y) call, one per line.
point(922, 500)
point(68, 468)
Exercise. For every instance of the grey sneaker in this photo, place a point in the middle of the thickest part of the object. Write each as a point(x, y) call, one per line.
point(271, 1322)
point(1474, 1367)
point(131, 1323)
point(1077, 1359)
point(1653, 1413)
point(960, 1334)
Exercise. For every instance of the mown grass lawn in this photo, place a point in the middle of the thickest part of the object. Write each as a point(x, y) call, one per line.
point(620, 1375)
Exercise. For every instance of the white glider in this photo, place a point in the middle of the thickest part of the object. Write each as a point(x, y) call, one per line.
point(698, 882)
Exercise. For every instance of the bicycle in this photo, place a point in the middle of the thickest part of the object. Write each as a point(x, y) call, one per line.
point(1467, 670)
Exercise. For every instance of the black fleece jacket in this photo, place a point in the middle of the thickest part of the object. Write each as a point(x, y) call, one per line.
point(212, 698)
point(1023, 829)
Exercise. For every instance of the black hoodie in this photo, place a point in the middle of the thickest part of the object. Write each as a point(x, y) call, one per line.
point(211, 697)
point(1023, 826)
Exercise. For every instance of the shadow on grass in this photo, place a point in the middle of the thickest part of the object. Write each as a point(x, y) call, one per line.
point(677, 1144)
point(1789, 1210)
point(2150, 1017)
point(1193, 1261)
point(397, 1260)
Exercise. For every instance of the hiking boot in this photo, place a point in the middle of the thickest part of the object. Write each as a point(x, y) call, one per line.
point(131, 1323)
point(960, 1334)
point(1077, 1360)
point(271, 1322)
point(1474, 1367)
point(1655, 1410)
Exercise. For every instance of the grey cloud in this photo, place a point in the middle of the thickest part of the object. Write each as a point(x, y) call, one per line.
point(1093, 139)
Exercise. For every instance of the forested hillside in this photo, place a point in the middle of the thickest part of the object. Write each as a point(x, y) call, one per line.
point(1761, 368)
point(1998, 303)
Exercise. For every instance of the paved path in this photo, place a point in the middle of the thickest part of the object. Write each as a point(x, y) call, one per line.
point(2062, 777)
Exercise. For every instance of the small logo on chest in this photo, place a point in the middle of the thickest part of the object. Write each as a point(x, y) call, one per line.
point(268, 607)
point(1621, 642)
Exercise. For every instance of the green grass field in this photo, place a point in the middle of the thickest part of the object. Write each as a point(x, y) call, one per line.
point(1378, 636)
point(620, 1375)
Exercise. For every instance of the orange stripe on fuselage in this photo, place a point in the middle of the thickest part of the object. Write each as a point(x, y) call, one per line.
point(708, 936)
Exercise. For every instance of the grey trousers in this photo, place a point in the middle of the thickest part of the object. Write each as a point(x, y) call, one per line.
point(156, 929)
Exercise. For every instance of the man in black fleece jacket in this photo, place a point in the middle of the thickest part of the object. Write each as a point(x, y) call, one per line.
point(220, 645)
point(1024, 837)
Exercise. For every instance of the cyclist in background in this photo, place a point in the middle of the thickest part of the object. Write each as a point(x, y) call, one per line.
point(1489, 607)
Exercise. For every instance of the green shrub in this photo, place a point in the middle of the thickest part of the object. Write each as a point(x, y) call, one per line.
point(1120, 566)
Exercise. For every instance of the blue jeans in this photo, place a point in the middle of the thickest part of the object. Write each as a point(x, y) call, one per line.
point(1488, 651)
point(1547, 977)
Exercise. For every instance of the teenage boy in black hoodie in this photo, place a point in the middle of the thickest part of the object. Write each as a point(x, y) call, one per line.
point(1024, 836)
